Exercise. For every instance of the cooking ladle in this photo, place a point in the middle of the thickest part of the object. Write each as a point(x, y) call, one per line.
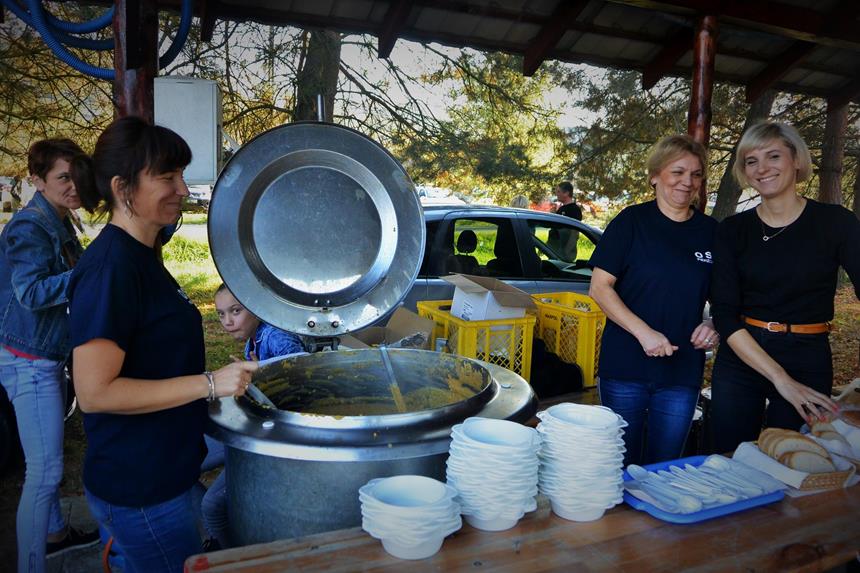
point(392, 381)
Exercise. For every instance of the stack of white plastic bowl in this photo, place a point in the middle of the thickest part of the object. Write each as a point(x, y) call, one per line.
point(412, 515)
point(493, 464)
point(581, 459)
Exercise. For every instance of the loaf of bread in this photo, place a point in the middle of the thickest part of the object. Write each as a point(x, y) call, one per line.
point(851, 417)
point(826, 431)
point(794, 450)
point(777, 441)
point(850, 394)
point(808, 462)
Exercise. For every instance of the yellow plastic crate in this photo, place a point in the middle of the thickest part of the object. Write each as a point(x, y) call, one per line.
point(506, 342)
point(571, 324)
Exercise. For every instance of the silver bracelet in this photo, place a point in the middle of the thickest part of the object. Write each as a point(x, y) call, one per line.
point(210, 378)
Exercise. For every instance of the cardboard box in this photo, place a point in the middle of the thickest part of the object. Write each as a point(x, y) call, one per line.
point(403, 324)
point(485, 298)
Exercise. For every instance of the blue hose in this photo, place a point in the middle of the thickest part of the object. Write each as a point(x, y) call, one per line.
point(93, 25)
point(54, 38)
point(186, 15)
point(75, 42)
point(41, 25)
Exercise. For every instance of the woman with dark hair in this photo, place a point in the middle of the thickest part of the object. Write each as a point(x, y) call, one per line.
point(652, 270)
point(38, 249)
point(775, 275)
point(139, 356)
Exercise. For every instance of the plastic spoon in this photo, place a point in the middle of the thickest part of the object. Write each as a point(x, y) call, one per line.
point(718, 481)
point(749, 488)
point(706, 481)
point(652, 484)
point(760, 478)
point(706, 492)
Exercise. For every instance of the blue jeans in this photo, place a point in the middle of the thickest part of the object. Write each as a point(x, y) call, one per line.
point(214, 508)
point(153, 538)
point(668, 411)
point(37, 390)
point(210, 505)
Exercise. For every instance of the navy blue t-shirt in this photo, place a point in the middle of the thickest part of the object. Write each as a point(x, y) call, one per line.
point(663, 272)
point(121, 292)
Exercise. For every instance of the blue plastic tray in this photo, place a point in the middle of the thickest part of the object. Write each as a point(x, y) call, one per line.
point(702, 515)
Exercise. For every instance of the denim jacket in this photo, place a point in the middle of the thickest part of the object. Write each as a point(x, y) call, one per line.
point(269, 341)
point(34, 275)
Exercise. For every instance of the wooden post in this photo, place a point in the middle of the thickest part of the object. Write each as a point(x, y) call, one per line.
point(832, 151)
point(135, 59)
point(699, 116)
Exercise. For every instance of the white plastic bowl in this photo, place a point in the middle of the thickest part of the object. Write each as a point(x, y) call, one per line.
point(492, 524)
point(499, 432)
point(588, 416)
point(409, 491)
point(580, 513)
point(421, 551)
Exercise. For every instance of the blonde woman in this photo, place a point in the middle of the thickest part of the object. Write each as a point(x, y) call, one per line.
point(774, 281)
point(652, 271)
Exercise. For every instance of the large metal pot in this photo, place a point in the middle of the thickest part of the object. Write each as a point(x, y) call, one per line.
point(318, 230)
point(295, 472)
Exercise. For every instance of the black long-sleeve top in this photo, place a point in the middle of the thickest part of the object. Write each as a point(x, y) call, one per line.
point(790, 278)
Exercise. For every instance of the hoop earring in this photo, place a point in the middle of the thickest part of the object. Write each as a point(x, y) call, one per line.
point(128, 210)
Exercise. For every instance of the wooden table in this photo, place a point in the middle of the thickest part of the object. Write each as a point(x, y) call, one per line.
point(813, 533)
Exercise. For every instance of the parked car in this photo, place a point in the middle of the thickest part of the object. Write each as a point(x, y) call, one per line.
point(531, 250)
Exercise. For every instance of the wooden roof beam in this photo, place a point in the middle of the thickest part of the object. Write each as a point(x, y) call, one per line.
point(846, 94)
point(777, 69)
point(392, 24)
point(208, 16)
point(550, 34)
point(665, 60)
point(838, 27)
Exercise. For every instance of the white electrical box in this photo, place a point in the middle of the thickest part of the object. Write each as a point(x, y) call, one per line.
point(192, 108)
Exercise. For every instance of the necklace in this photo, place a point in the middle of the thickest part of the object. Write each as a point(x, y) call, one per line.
point(765, 237)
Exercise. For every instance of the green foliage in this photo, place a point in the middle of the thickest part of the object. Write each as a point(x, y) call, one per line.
point(181, 250)
point(42, 97)
point(501, 137)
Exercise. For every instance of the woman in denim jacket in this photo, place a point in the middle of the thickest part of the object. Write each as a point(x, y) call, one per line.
point(37, 251)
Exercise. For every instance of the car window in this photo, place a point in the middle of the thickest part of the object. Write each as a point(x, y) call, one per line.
point(485, 247)
point(428, 268)
point(563, 250)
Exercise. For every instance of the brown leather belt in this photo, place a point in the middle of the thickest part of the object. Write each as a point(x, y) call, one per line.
point(817, 328)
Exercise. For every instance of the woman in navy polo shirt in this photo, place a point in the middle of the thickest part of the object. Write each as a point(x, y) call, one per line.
point(139, 356)
point(652, 271)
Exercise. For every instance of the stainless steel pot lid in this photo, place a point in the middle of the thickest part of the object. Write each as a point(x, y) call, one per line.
point(316, 229)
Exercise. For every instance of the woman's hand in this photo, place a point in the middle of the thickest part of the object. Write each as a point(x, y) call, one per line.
point(655, 344)
point(233, 379)
point(705, 337)
point(811, 405)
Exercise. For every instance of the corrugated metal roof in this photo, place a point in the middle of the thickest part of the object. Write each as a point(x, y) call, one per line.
point(803, 46)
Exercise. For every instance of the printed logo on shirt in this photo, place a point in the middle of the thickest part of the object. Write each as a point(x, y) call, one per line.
point(704, 257)
point(183, 295)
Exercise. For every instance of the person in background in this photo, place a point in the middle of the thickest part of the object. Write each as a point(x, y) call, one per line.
point(567, 207)
point(652, 271)
point(38, 248)
point(520, 202)
point(775, 275)
point(564, 241)
point(139, 354)
point(262, 342)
